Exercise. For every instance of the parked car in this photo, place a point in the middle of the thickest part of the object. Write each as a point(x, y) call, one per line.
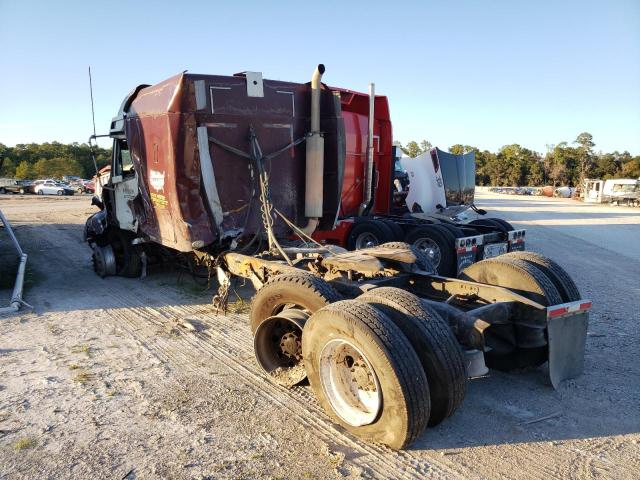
point(51, 187)
point(89, 186)
point(9, 185)
point(82, 186)
point(71, 179)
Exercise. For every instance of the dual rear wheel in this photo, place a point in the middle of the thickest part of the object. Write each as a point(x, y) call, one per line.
point(516, 345)
point(384, 366)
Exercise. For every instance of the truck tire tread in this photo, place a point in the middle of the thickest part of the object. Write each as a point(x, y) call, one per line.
point(312, 292)
point(400, 358)
point(434, 342)
point(423, 262)
point(558, 275)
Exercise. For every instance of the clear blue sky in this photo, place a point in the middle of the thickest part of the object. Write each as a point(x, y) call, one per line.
point(483, 73)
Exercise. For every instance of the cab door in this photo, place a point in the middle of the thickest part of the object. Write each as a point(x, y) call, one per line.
point(124, 182)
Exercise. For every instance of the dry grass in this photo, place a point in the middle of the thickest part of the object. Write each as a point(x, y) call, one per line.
point(54, 329)
point(82, 348)
point(83, 378)
point(239, 306)
point(24, 444)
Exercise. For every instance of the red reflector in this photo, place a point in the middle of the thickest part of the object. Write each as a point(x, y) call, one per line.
point(558, 311)
point(585, 305)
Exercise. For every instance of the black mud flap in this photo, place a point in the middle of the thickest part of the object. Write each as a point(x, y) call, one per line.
point(464, 259)
point(567, 331)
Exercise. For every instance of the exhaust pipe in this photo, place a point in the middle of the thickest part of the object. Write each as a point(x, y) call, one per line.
point(315, 159)
point(368, 184)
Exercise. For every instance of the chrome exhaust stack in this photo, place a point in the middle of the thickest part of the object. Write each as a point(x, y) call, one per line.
point(368, 184)
point(313, 196)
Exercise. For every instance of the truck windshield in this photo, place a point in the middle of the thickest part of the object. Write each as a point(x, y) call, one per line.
point(625, 188)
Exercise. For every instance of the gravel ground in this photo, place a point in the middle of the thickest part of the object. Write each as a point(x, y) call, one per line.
point(128, 378)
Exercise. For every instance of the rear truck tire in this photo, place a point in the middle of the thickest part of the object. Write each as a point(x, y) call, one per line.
point(453, 230)
point(494, 223)
point(3, 190)
point(290, 290)
point(431, 338)
point(365, 373)
point(396, 230)
point(515, 347)
point(40, 192)
point(60, 193)
point(438, 244)
point(504, 223)
point(368, 233)
point(561, 279)
point(422, 259)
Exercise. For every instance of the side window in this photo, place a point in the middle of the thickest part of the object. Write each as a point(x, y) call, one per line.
point(122, 164)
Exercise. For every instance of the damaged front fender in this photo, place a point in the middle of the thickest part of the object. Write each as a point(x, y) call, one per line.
point(95, 226)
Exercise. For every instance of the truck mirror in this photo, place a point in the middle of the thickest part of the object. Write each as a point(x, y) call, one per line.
point(95, 201)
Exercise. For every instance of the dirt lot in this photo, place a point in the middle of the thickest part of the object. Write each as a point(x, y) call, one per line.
point(128, 378)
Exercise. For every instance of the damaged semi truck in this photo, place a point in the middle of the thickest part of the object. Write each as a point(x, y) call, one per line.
point(238, 173)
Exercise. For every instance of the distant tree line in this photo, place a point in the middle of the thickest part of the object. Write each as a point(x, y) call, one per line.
point(563, 164)
point(50, 160)
point(512, 165)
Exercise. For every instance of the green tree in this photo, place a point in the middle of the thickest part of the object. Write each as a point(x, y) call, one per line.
point(459, 149)
point(535, 176)
point(585, 151)
point(412, 148)
point(606, 165)
point(483, 161)
point(563, 165)
point(25, 170)
point(8, 168)
point(631, 167)
point(57, 167)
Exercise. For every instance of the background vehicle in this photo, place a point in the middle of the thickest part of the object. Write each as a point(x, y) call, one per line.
point(82, 186)
point(385, 342)
point(619, 191)
point(52, 187)
point(15, 186)
point(421, 201)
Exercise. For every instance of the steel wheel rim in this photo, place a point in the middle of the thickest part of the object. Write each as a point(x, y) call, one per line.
point(366, 240)
point(430, 248)
point(350, 383)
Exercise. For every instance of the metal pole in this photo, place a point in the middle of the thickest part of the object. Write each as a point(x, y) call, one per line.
point(16, 297)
